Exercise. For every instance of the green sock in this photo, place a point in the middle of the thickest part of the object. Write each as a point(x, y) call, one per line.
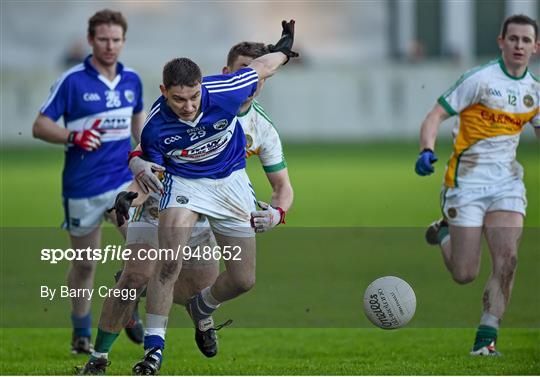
point(104, 341)
point(484, 336)
point(443, 232)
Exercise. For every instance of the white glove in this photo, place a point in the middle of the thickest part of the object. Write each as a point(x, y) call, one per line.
point(267, 219)
point(144, 174)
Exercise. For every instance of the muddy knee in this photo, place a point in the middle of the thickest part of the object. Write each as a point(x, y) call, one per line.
point(509, 261)
point(169, 271)
point(507, 265)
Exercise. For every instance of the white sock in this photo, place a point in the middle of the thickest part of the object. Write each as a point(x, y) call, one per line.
point(208, 299)
point(156, 325)
point(100, 355)
point(445, 239)
point(158, 351)
point(489, 320)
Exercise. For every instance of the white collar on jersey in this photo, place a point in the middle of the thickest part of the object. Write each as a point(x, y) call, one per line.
point(192, 123)
point(110, 84)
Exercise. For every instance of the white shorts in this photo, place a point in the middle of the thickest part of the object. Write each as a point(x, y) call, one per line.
point(143, 230)
point(468, 206)
point(84, 215)
point(227, 202)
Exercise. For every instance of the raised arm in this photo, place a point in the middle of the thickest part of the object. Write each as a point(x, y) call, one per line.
point(268, 64)
point(280, 53)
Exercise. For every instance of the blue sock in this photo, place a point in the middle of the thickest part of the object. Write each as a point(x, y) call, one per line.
point(82, 326)
point(154, 341)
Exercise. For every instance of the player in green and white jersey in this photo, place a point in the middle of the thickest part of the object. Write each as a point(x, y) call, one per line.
point(483, 192)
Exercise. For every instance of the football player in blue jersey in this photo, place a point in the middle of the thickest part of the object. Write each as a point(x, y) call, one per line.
point(192, 131)
point(101, 103)
point(197, 272)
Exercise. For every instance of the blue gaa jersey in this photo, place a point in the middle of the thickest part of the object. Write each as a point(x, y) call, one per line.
point(212, 146)
point(86, 100)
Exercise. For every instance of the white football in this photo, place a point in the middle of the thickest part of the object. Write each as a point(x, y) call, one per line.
point(389, 302)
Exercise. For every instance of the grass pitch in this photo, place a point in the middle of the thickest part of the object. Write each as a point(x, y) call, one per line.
point(359, 213)
point(288, 352)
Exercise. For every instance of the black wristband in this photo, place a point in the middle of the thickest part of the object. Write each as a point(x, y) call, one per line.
point(427, 150)
point(71, 137)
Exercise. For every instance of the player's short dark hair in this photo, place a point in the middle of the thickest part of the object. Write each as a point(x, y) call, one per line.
point(181, 71)
point(106, 16)
point(519, 19)
point(250, 49)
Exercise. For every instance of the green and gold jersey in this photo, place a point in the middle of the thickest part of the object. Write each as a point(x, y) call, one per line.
point(492, 108)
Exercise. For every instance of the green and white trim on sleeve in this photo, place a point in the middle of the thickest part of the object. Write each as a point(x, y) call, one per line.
point(262, 138)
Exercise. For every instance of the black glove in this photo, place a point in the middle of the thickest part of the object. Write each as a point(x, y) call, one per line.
point(122, 204)
point(286, 41)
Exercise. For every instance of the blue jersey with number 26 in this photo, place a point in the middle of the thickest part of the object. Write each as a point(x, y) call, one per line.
point(212, 146)
point(87, 100)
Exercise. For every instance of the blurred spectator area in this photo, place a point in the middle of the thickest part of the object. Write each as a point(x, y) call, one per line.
point(369, 69)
